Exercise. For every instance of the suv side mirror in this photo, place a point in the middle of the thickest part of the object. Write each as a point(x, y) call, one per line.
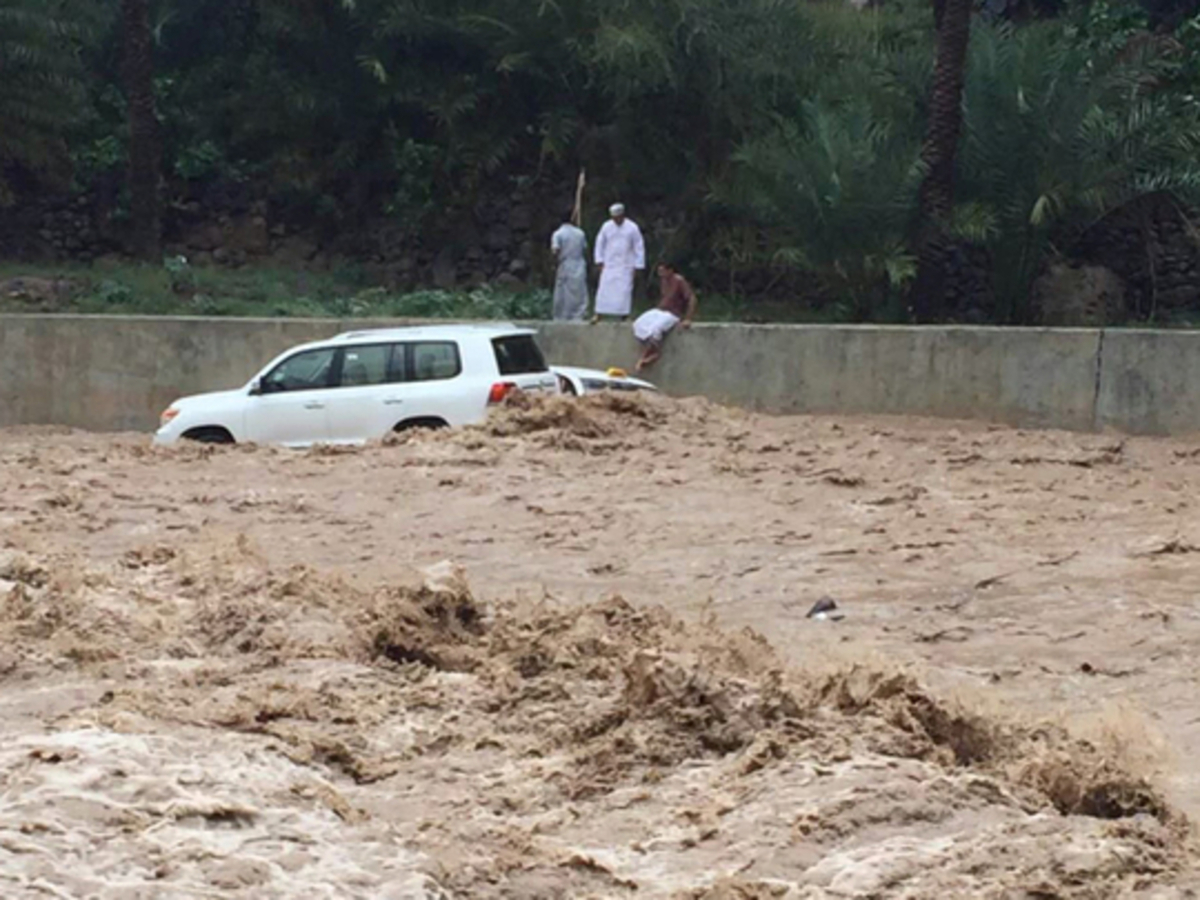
point(256, 388)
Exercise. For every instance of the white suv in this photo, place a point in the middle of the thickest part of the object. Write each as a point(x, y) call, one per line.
point(364, 384)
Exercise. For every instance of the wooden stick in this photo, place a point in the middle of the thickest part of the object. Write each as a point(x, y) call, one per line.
point(577, 214)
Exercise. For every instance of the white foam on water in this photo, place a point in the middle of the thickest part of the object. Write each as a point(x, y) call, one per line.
point(99, 814)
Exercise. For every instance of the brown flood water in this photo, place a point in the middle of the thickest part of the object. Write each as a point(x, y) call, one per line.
point(225, 675)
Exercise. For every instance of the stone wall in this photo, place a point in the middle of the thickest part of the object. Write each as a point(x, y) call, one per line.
point(58, 228)
point(1155, 249)
point(503, 241)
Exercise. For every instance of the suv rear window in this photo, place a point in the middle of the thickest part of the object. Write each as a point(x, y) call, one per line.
point(519, 355)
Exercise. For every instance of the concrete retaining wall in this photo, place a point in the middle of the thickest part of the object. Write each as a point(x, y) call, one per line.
point(1035, 378)
point(118, 373)
point(1150, 382)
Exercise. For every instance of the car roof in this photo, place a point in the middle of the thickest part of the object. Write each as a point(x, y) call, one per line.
point(600, 374)
point(431, 332)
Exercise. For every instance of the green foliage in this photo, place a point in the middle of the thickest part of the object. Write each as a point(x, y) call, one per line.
point(352, 109)
point(413, 201)
point(263, 292)
point(784, 136)
point(832, 192)
point(178, 288)
point(101, 155)
point(1058, 133)
point(111, 295)
point(1055, 140)
point(40, 84)
point(203, 160)
point(829, 190)
point(182, 276)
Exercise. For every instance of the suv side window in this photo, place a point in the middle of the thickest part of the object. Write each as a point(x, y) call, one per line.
point(307, 371)
point(366, 365)
point(519, 355)
point(434, 361)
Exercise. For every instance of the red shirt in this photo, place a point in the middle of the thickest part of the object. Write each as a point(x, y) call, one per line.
point(676, 295)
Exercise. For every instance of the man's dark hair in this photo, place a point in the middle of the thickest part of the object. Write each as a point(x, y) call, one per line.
point(668, 264)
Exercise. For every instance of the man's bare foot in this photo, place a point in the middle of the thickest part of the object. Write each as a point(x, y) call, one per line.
point(595, 320)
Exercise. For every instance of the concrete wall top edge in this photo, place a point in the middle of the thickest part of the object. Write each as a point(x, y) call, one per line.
point(369, 321)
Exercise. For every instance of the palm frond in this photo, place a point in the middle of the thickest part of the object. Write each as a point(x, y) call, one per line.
point(42, 77)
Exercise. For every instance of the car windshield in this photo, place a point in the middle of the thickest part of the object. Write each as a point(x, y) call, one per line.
point(519, 354)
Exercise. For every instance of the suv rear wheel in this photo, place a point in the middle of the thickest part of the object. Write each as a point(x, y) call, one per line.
point(431, 422)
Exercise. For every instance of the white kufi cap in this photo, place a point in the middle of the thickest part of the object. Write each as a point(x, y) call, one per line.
point(617, 209)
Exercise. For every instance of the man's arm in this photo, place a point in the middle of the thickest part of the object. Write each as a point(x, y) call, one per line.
point(601, 245)
point(692, 304)
point(639, 248)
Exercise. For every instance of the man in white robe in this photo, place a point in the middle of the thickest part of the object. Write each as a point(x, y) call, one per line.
point(620, 254)
point(569, 245)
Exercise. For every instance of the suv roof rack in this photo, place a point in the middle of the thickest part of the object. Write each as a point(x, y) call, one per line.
point(416, 329)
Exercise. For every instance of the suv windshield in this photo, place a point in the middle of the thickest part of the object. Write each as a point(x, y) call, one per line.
point(519, 355)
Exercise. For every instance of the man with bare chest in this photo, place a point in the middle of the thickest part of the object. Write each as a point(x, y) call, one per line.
point(677, 304)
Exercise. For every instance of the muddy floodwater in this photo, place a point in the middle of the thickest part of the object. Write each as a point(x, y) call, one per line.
point(570, 654)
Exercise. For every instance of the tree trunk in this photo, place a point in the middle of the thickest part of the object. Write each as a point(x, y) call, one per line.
point(144, 153)
point(939, 9)
point(938, 155)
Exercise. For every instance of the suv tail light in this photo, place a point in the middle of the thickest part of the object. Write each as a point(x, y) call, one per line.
point(500, 390)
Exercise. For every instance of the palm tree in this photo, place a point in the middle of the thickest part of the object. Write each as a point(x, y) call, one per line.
point(41, 78)
point(831, 191)
point(144, 153)
point(941, 146)
point(1058, 138)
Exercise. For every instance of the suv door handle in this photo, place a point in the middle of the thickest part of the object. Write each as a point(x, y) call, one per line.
point(314, 405)
point(392, 401)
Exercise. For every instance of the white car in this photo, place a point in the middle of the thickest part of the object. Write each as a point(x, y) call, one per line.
point(589, 381)
point(364, 384)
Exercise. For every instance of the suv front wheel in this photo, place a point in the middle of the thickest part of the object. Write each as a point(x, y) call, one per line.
point(211, 434)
